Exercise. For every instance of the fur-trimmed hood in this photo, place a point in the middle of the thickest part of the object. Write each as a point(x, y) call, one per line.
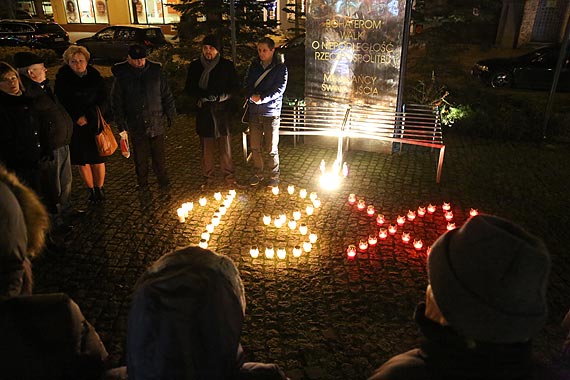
point(23, 224)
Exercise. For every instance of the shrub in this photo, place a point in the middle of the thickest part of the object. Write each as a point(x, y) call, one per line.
point(49, 56)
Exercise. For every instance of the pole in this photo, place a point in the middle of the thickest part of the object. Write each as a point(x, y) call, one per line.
point(233, 29)
point(559, 64)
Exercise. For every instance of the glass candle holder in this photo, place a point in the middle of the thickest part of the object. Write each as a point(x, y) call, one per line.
point(205, 235)
point(370, 210)
point(448, 215)
point(405, 237)
point(181, 215)
point(223, 210)
point(431, 209)
point(216, 220)
point(307, 246)
point(275, 190)
point(292, 224)
point(203, 243)
point(232, 192)
point(352, 198)
point(380, 220)
point(317, 203)
point(418, 244)
point(351, 251)
point(218, 196)
point(303, 193)
point(281, 253)
point(309, 210)
point(446, 206)
point(372, 239)
point(361, 204)
point(266, 220)
point(473, 212)
point(210, 227)
point(383, 233)
point(296, 215)
point(313, 238)
point(392, 229)
point(401, 220)
point(254, 251)
point(363, 244)
point(411, 215)
point(269, 251)
point(277, 222)
point(291, 189)
point(297, 251)
point(283, 218)
point(451, 226)
point(421, 211)
point(202, 201)
point(313, 196)
point(303, 229)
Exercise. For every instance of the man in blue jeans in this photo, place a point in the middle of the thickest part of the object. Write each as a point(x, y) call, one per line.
point(265, 84)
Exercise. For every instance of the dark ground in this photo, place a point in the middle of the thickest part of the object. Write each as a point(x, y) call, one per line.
point(321, 316)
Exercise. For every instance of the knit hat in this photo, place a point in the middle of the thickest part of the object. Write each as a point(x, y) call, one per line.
point(26, 59)
point(213, 41)
point(489, 280)
point(137, 52)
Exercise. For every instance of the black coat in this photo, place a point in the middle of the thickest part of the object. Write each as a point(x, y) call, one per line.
point(222, 80)
point(141, 99)
point(56, 124)
point(81, 96)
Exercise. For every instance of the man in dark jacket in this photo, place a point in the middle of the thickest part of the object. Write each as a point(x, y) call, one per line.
point(142, 104)
point(55, 134)
point(212, 80)
point(485, 301)
point(265, 84)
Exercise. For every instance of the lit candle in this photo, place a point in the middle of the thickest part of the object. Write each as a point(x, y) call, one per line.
point(351, 251)
point(203, 243)
point(269, 251)
point(281, 253)
point(344, 170)
point(370, 210)
point(450, 226)
point(254, 251)
point(216, 220)
point(278, 222)
point(283, 218)
point(313, 238)
point(218, 196)
point(303, 193)
point(210, 227)
point(411, 215)
point(188, 206)
point(217, 213)
point(418, 244)
point(448, 215)
point(361, 204)
point(232, 192)
point(317, 203)
point(363, 245)
point(401, 220)
point(205, 235)
point(313, 196)
point(380, 219)
point(309, 210)
point(303, 229)
point(297, 215)
point(202, 201)
point(223, 209)
point(446, 206)
point(421, 211)
point(431, 208)
point(383, 233)
point(227, 202)
point(275, 190)
point(392, 229)
point(372, 239)
point(181, 212)
point(473, 212)
point(297, 251)
point(292, 224)
point(351, 198)
point(291, 189)
point(266, 220)
point(405, 237)
point(307, 246)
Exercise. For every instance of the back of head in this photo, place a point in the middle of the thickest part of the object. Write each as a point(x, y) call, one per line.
point(489, 280)
point(24, 222)
point(186, 317)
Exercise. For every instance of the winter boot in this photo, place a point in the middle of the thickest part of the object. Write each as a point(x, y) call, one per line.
point(91, 195)
point(99, 195)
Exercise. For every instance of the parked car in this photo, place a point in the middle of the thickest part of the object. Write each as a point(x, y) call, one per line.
point(34, 33)
point(112, 43)
point(534, 70)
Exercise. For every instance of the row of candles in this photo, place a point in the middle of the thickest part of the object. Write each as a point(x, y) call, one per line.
point(296, 251)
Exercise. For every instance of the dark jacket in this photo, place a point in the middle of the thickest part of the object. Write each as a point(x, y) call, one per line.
point(56, 124)
point(185, 321)
point(20, 144)
point(141, 99)
point(445, 355)
point(214, 110)
point(271, 88)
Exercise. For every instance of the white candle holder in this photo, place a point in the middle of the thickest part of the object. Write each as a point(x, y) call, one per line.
point(181, 212)
point(205, 235)
point(303, 229)
point(218, 196)
point(307, 246)
point(313, 238)
point(292, 224)
point(210, 227)
point(421, 211)
point(254, 251)
point(281, 253)
point(275, 190)
point(269, 251)
point(266, 220)
point(296, 215)
point(203, 243)
point(303, 193)
point(309, 210)
point(291, 189)
point(202, 201)
point(297, 251)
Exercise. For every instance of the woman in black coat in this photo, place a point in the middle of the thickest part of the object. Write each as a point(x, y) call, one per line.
point(81, 90)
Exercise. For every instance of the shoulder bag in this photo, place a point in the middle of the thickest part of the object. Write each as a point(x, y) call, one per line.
point(245, 116)
point(105, 140)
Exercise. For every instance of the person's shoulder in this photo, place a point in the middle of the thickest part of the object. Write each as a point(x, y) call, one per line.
point(120, 68)
point(154, 65)
point(91, 70)
point(410, 365)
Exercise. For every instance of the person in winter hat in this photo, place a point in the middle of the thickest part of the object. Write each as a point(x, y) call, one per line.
point(44, 337)
point(185, 321)
point(485, 302)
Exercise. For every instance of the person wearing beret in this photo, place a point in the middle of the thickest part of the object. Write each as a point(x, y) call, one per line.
point(485, 302)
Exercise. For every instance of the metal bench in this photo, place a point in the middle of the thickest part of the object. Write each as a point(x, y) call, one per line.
point(415, 125)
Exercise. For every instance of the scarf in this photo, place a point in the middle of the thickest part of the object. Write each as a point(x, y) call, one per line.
point(208, 66)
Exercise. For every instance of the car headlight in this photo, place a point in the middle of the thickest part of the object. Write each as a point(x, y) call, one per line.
point(482, 67)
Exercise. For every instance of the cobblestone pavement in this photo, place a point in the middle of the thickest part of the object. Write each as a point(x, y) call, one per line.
point(320, 316)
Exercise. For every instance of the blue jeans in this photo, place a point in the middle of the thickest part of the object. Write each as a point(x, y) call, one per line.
point(264, 141)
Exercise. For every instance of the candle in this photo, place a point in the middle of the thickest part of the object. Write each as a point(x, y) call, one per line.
point(317, 203)
point(401, 220)
point(205, 235)
point(218, 196)
point(275, 190)
point(344, 170)
point(303, 229)
point(383, 233)
point(380, 219)
point(351, 251)
point(446, 206)
point(370, 210)
point(363, 245)
point(418, 244)
point(351, 198)
point(372, 239)
point(223, 209)
point(266, 220)
point(307, 246)
point(313, 238)
point(309, 210)
point(181, 212)
point(202, 201)
point(269, 251)
point(303, 193)
point(203, 244)
point(361, 204)
point(278, 222)
point(313, 196)
point(297, 251)
point(392, 229)
point(421, 211)
point(283, 218)
point(411, 215)
point(188, 206)
point(281, 253)
point(322, 167)
point(292, 224)
point(405, 237)
point(473, 212)
point(210, 227)
point(431, 208)
point(216, 220)
point(450, 226)
point(297, 215)
point(254, 251)
point(232, 192)
point(291, 189)
point(448, 215)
